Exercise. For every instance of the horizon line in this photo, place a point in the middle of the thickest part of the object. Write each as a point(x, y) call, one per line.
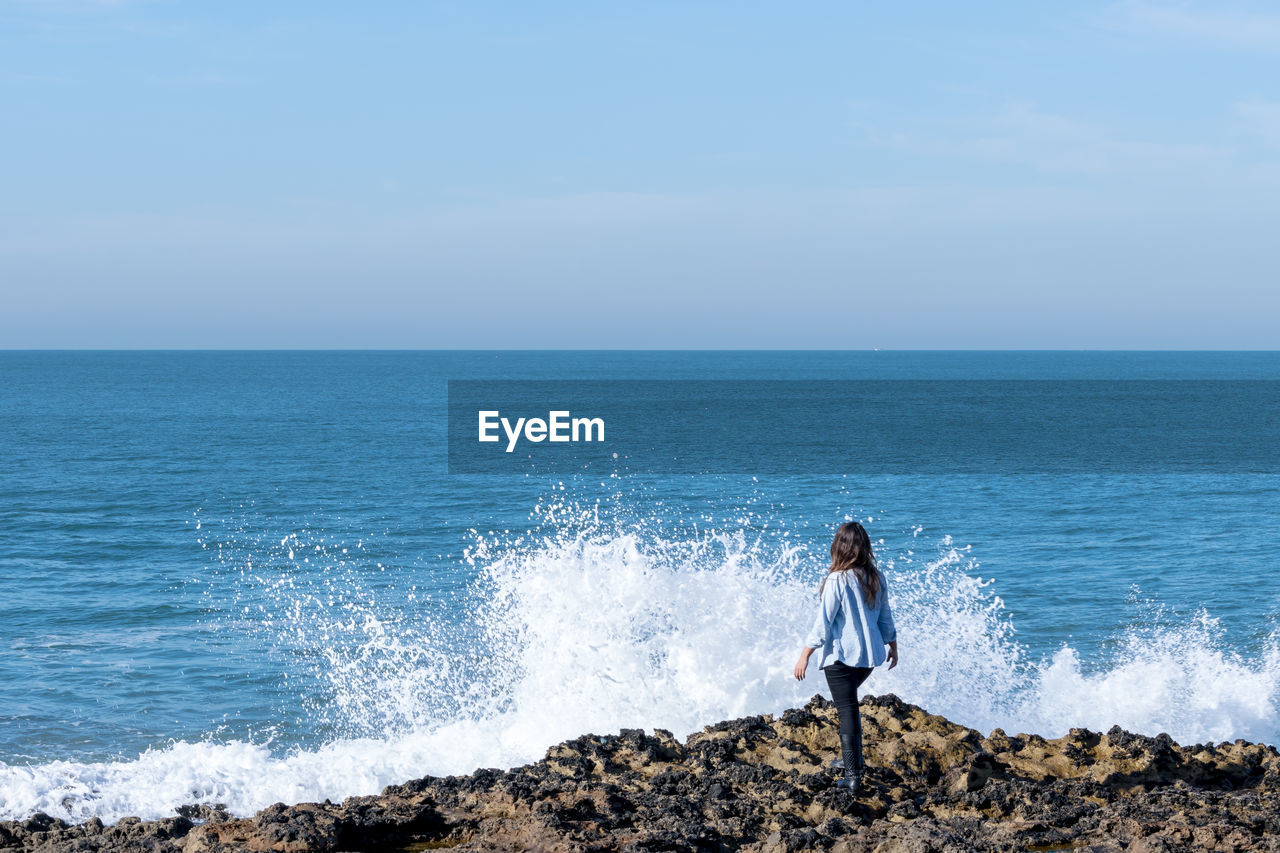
point(627, 349)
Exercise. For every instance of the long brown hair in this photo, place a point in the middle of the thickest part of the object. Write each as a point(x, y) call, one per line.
point(851, 552)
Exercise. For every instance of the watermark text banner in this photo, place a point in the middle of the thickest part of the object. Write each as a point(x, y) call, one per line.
point(642, 426)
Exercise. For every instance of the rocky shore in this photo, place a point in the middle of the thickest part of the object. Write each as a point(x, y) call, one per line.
point(762, 784)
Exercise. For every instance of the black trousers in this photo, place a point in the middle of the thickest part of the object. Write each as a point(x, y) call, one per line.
point(844, 681)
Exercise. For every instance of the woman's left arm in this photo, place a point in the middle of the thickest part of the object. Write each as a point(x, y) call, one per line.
point(827, 609)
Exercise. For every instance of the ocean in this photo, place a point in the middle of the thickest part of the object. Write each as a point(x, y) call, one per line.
point(251, 577)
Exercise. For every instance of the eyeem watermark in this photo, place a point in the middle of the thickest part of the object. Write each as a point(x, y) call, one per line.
point(859, 427)
point(559, 426)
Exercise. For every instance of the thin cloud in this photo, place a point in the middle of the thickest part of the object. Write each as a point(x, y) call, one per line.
point(1261, 119)
point(1217, 25)
point(1022, 135)
point(73, 5)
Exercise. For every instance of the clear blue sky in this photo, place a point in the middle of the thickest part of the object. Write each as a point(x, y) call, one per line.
point(691, 174)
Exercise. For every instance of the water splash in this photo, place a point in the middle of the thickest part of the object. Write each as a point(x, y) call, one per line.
point(587, 623)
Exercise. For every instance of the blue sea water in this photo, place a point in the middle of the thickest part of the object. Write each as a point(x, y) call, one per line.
point(244, 577)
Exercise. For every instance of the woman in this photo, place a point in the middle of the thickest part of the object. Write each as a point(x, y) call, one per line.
point(853, 627)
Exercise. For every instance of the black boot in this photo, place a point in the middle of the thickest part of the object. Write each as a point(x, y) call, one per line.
point(852, 778)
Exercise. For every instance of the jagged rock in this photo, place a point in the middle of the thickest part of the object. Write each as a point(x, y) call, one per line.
point(763, 784)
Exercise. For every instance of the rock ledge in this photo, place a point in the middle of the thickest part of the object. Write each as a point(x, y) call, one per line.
point(762, 784)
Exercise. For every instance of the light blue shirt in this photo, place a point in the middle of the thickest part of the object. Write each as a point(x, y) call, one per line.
point(849, 629)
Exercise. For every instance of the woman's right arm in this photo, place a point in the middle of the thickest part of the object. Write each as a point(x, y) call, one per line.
point(888, 631)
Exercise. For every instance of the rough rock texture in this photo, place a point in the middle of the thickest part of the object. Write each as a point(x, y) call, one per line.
point(762, 784)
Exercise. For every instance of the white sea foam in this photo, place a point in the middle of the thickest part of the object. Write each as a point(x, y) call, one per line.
point(588, 627)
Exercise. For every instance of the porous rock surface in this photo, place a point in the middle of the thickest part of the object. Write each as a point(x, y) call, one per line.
point(762, 784)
